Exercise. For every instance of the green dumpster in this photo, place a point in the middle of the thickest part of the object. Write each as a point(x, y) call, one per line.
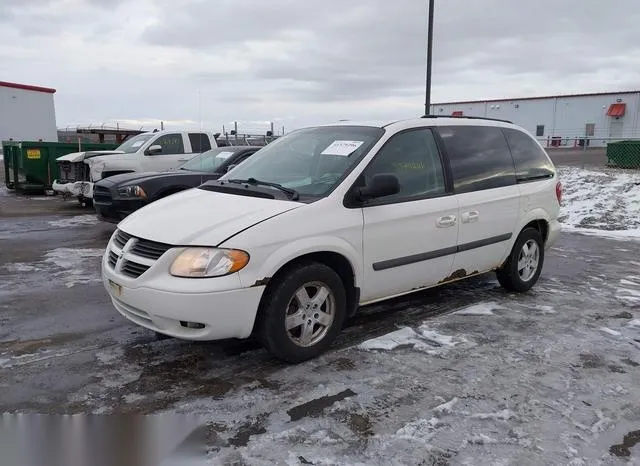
point(31, 165)
point(624, 154)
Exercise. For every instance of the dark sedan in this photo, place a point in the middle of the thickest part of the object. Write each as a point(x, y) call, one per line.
point(117, 196)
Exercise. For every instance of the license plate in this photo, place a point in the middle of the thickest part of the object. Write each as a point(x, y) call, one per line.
point(115, 288)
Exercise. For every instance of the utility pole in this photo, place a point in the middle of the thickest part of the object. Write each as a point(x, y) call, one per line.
point(427, 100)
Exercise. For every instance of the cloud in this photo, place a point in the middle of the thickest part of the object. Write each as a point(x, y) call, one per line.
point(314, 60)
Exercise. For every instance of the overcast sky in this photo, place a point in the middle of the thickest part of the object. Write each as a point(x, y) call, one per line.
point(300, 62)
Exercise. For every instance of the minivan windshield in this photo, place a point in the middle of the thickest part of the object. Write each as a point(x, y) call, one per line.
point(133, 145)
point(312, 161)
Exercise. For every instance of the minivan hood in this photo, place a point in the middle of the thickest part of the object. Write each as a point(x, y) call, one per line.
point(196, 217)
point(79, 156)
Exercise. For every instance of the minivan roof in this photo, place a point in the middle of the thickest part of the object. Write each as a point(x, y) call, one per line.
point(428, 120)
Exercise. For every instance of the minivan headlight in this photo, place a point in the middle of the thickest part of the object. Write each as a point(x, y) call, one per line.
point(208, 262)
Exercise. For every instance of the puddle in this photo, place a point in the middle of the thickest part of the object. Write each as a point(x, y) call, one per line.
point(315, 407)
point(22, 347)
point(624, 449)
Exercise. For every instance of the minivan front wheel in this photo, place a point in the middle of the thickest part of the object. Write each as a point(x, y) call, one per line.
point(522, 269)
point(303, 312)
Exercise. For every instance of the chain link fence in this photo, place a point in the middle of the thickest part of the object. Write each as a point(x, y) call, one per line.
point(612, 152)
point(624, 154)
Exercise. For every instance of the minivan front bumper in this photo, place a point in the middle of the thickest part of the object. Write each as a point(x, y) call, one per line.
point(214, 315)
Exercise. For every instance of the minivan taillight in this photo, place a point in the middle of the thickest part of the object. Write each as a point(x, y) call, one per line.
point(559, 192)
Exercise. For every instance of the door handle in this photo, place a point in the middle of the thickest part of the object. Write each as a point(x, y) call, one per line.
point(446, 222)
point(183, 160)
point(471, 216)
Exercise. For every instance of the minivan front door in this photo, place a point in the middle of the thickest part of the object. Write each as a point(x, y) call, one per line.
point(409, 238)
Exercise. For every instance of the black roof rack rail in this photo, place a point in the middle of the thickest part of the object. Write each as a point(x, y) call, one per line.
point(467, 117)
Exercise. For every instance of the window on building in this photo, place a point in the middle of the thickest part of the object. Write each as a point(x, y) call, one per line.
point(540, 130)
point(530, 159)
point(199, 142)
point(590, 129)
point(479, 157)
point(413, 157)
point(171, 144)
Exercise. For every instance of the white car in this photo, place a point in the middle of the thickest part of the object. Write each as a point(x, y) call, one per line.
point(146, 152)
point(326, 219)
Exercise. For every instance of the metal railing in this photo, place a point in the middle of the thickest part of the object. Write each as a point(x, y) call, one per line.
point(580, 142)
point(620, 152)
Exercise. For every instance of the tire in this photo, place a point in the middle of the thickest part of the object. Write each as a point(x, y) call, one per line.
point(287, 296)
point(522, 280)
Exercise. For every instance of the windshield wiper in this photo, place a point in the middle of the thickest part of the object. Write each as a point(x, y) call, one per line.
point(292, 193)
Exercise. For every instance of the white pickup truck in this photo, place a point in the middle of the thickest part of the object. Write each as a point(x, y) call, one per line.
point(157, 151)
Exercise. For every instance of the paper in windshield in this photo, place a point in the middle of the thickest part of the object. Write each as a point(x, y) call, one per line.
point(224, 155)
point(343, 148)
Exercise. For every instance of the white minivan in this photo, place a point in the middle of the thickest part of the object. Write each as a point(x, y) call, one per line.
point(326, 219)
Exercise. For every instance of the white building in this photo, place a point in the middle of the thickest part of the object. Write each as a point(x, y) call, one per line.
point(27, 113)
point(562, 120)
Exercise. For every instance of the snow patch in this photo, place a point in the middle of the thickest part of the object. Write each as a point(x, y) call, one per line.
point(545, 309)
point(20, 267)
point(404, 337)
point(133, 398)
point(628, 292)
point(445, 408)
point(424, 339)
point(422, 429)
point(614, 333)
point(503, 415)
point(77, 264)
point(634, 323)
point(603, 203)
point(482, 309)
point(78, 220)
point(629, 283)
point(480, 439)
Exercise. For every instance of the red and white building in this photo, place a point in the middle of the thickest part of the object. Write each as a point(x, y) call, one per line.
point(27, 113)
point(561, 120)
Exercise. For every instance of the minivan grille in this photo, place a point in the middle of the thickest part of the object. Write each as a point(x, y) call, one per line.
point(121, 238)
point(149, 249)
point(133, 270)
point(136, 256)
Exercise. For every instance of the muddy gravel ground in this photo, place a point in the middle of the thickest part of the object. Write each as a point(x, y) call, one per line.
point(466, 374)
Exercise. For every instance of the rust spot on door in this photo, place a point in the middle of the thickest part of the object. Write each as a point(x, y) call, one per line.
point(457, 275)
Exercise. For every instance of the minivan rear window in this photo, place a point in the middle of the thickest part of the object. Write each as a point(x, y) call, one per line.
point(479, 157)
point(531, 161)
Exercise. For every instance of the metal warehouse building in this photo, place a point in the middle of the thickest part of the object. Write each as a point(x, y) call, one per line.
point(27, 113)
point(561, 120)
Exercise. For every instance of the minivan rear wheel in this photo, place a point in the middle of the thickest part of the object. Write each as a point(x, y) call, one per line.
point(522, 269)
point(303, 312)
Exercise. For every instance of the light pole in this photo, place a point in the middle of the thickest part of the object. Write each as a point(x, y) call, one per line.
point(427, 101)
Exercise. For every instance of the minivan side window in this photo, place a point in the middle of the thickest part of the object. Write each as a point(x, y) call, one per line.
point(413, 157)
point(199, 143)
point(479, 157)
point(531, 161)
point(171, 144)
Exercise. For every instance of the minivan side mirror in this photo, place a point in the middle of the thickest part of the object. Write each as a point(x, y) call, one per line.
point(381, 185)
point(153, 150)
